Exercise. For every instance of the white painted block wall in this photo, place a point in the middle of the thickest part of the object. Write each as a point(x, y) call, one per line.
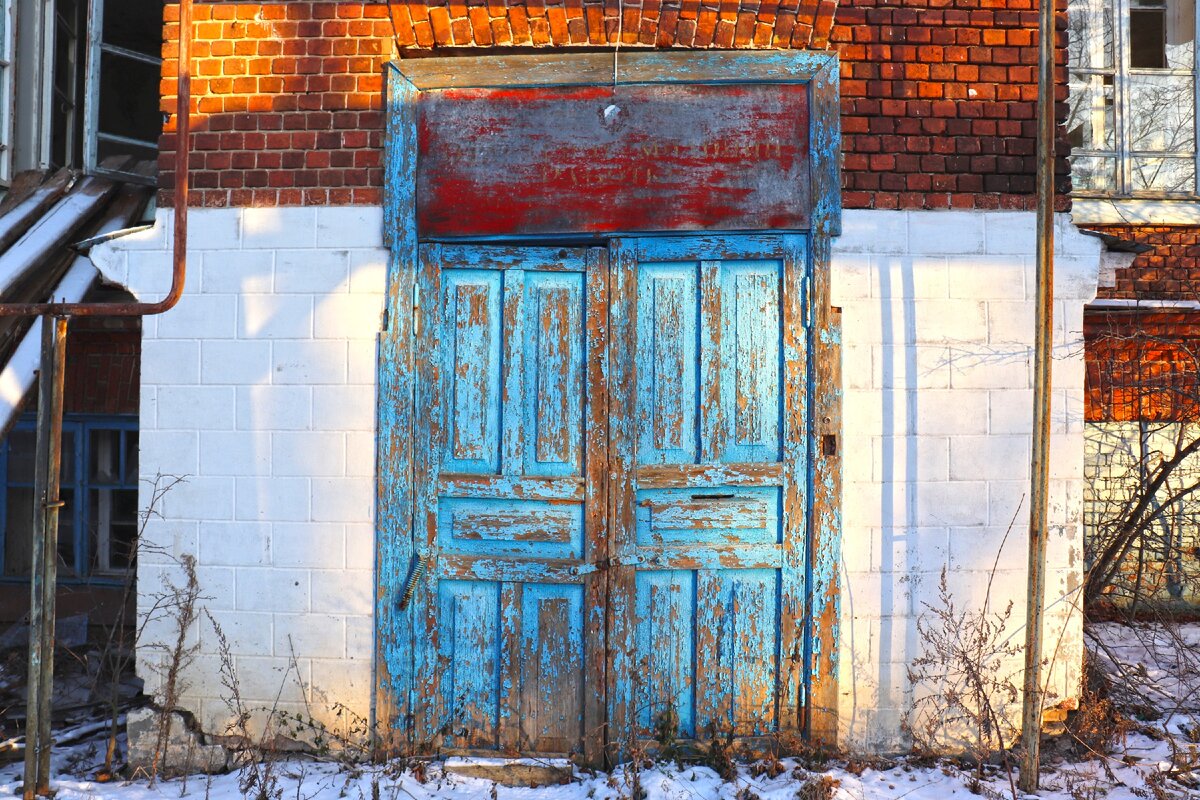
point(260, 387)
point(937, 332)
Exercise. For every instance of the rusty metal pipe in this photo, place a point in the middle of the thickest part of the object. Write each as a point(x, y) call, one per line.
point(179, 250)
point(1039, 469)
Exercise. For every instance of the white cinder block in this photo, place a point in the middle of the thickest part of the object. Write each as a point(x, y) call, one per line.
point(350, 226)
point(342, 592)
point(200, 498)
point(235, 453)
point(236, 544)
point(278, 228)
point(196, 408)
point(148, 274)
point(360, 545)
point(976, 365)
point(360, 454)
point(950, 503)
point(911, 366)
point(931, 232)
point(265, 408)
point(873, 232)
point(274, 499)
point(1011, 232)
point(908, 277)
point(348, 316)
point(310, 635)
point(368, 271)
point(1011, 323)
point(987, 278)
point(344, 408)
point(274, 589)
point(210, 228)
point(199, 316)
point(941, 412)
point(309, 544)
point(273, 680)
point(342, 500)
point(169, 453)
point(235, 361)
point(311, 271)
point(1010, 411)
point(164, 542)
point(171, 361)
point(265, 316)
point(988, 457)
point(910, 459)
point(309, 362)
point(308, 453)
point(247, 633)
point(362, 361)
point(234, 272)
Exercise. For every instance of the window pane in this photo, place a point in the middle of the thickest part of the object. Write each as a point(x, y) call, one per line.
point(21, 454)
point(18, 532)
point(134, 25)
point(1161, 35)
point(105, 455)
point(67, 467)
point(1093, 173)
point(1162, 113)
point(1090, 112)
point(131, 458)
point(66, 532)
point(1162, 174)
point(129, 98)
point(1147, 38)
point(113, 518)
point(1090, 39)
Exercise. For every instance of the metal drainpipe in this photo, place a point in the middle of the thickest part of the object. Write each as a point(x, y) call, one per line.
point(54, 329)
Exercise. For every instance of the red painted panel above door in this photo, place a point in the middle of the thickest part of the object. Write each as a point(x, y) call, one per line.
point(591, 159)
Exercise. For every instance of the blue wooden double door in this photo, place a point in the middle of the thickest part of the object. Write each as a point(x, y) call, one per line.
point(610, 463)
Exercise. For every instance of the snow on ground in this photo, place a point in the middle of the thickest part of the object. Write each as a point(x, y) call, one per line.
point(1156, 672)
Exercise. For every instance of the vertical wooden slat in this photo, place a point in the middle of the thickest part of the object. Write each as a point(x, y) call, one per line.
point(432, 389)
point(512, 714)
point(512, 461)
point(826, 520)
point(712, 365)
point(713, 677)
point(622, 443)
point(394, 411)
point(796, 442)
point(596, 544)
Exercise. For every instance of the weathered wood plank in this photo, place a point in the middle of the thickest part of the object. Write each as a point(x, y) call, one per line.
point(394, 553)
point(502, 257)
point(596, 542)
point(622, 611)
point(567, 489)
point(668, 476)
point(712, 368)
point(596, 69)
point(797, 438)
point(460, 566)
point(512, 368)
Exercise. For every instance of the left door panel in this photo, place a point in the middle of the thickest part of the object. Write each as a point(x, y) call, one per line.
point(511, 410)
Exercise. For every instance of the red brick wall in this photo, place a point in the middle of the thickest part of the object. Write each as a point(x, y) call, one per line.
point(103, 369)
point(1142, 365)
point(1145, 365)
point(938, 101)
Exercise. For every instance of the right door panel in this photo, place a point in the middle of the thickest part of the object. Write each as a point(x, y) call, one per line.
point(708, 508)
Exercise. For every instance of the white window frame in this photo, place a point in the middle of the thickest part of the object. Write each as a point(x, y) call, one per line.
point(1122, 203)
point(7, 38)
point(92, 135)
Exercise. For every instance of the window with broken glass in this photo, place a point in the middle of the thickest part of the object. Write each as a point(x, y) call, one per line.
point(98, 523)
point(1132, 102)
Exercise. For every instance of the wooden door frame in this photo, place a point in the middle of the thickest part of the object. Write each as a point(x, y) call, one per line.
point(397, 561)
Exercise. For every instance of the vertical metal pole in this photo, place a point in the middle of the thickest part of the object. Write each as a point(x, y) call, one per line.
point(45, 537)
point(1039, 472)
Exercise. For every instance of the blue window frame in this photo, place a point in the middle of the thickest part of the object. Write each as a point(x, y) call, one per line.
point(98, 523)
